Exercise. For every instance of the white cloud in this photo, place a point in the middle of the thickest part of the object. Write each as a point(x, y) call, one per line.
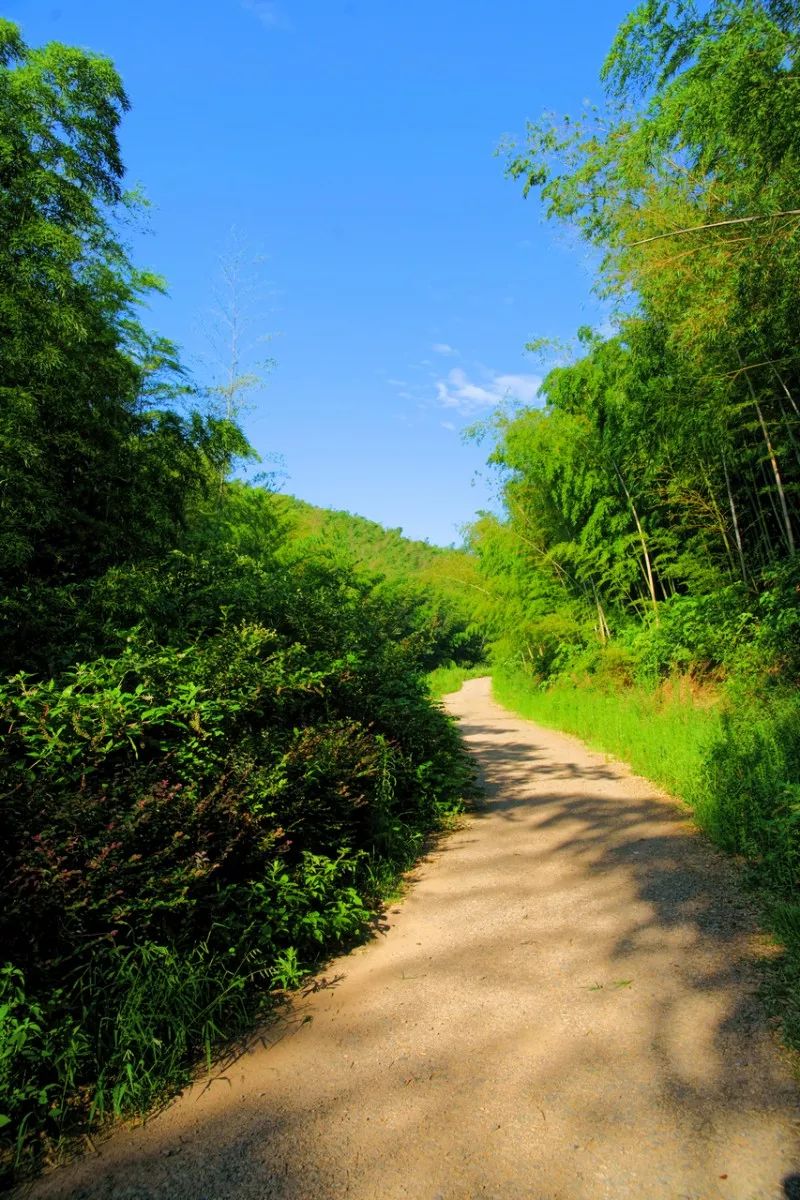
point(443, 348)
point(524, 388)
point(267, 12)
point(607, 329)
point(468, 397)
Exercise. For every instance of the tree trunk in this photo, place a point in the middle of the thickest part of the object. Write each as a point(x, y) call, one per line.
point(651, 587)
point(736, 532)
point(787, 524)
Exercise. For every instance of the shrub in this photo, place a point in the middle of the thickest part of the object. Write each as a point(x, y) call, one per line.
point(189, 829)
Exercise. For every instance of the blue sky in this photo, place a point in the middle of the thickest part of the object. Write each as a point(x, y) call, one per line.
point(398, 274)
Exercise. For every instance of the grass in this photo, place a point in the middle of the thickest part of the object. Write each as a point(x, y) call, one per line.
point(445, 680)
point(664, 734)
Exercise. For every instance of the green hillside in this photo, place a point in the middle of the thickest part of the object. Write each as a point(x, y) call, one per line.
point(447, 571)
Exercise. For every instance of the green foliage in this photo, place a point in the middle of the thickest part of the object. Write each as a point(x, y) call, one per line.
point(750, 793)
point(704, 635)
point(645, 573)
point(438, 589)
point(217, 747)
point(187, 829)
point(653, 498)
point(687, 182)
point(97, 467)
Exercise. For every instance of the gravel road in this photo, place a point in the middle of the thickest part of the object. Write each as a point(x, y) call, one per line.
point(563, 1008)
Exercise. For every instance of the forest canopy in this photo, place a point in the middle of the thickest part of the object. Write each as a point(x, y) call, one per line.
point(656, 487)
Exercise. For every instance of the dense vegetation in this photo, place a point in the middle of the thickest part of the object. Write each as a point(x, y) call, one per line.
point(440, 587)
point(646, 572)
point(218, 746)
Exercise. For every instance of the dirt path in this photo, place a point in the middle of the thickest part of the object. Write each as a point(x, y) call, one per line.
point(562, 1009)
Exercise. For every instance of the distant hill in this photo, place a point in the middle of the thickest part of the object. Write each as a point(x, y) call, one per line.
point(445, 571)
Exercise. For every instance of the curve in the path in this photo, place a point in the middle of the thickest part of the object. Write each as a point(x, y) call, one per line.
point(563, 1008)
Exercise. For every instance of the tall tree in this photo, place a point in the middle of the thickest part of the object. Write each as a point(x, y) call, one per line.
point(686, 181)
point(95, 466)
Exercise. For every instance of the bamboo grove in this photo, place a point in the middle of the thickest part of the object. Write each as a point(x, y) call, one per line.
point(645, 569)
point(663, 466)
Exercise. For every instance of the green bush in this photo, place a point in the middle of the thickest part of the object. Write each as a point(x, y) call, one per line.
point(697, 634)
point(749, 794)
point(189, 829)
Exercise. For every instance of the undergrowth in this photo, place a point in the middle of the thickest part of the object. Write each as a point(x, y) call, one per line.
point(449, 678)
point(188, 832)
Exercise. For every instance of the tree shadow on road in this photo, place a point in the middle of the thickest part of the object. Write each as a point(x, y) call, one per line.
point(569, 999)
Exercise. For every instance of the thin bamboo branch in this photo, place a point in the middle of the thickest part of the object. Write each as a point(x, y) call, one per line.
point(649, 574)
point(787, 524)
point(767, 362)
point(789, 212)
point(736, 531)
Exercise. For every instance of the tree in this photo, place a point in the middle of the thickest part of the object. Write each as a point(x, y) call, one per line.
point(235, 362)
point(96, 466)
point(686, 181)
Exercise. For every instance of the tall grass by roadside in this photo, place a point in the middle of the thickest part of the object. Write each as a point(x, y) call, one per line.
point(664, 734)
point(734, 758)
point(445, 680)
